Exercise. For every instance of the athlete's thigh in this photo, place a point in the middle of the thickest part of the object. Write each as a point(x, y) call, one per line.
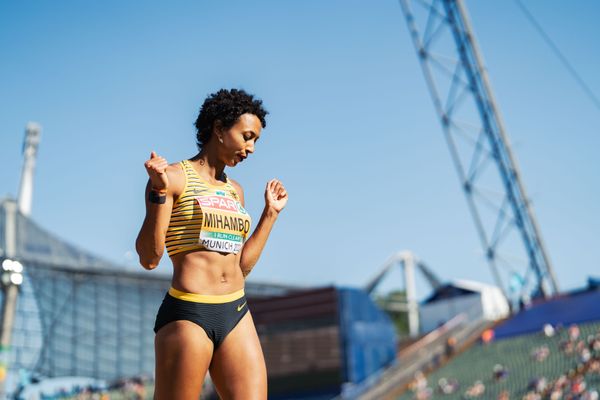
point(238, 366)
point(183, 353)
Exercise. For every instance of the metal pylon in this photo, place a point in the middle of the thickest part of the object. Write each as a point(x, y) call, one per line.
point(476, 137)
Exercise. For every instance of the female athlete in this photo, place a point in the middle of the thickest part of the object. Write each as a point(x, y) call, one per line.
point(196, 211)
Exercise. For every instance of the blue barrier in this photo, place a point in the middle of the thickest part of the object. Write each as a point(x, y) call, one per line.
point(571, 309)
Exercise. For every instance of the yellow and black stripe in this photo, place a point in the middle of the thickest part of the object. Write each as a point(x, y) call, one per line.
point(186, 217)
point(206, 298)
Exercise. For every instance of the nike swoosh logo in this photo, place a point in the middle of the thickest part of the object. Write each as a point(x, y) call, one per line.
point(239, 308)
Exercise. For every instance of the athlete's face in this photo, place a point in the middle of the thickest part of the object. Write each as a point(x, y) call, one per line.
point(240, 139)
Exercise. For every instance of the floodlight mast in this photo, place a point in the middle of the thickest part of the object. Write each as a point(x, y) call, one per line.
point(467, 80)
point(30, 146)
point(10, 291)
point(12, 270)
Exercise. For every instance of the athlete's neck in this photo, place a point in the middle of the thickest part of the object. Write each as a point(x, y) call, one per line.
point(209, 166)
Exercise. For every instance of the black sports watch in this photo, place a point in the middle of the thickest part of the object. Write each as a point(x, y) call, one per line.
point(156, 198)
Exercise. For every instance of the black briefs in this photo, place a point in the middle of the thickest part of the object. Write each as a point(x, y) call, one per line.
point(216, 314)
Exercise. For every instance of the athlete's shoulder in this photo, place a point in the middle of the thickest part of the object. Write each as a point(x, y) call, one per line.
point(238, 188)
point(235, 184)
point(176, 177)
point(175, 170)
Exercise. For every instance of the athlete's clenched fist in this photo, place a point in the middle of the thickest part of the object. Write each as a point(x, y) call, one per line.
point(276, 196)
point(156, 167)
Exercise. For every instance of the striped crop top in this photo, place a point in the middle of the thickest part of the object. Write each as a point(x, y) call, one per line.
point(206, 216)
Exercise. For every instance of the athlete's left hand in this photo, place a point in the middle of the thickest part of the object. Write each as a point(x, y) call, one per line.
point(276, 196)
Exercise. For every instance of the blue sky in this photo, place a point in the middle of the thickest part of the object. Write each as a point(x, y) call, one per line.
point(350, 117)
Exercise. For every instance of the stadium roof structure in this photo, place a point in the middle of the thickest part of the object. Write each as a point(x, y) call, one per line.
point(458, 287)
point(35, 244)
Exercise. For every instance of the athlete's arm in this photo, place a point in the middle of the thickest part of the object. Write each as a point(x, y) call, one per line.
point(150, 243)
point(275, 200)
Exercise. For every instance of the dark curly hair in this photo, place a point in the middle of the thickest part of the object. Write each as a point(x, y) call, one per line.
point(226, 106)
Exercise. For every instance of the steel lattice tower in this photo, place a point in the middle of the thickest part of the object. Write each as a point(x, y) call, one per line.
point(475, 134)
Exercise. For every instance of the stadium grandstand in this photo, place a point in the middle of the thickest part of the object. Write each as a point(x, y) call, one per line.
point(554, 363)
point(549, 350)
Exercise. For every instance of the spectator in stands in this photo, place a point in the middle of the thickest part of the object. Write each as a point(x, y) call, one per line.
point(450, 346)
point(590, 395)
point(566, 346)
point(540, 354)
point(424, 394)
point(477, 390)
point(578, 385)
point(573, 332)
point(538, 385)
point(447, 386)
point(556, 394)
point(504, 395)
point(487, 336)
point(419, 387)
point(500, 372)
point(584, 355)
point(419, 382)
point(524, 302)
point(548, 330)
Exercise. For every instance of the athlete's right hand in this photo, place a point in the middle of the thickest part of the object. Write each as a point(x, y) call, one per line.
point(156, 167)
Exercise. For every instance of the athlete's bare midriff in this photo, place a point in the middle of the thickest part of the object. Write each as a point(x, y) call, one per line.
point(207, 272)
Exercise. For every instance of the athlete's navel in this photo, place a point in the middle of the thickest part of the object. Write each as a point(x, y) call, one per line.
point(223, 279)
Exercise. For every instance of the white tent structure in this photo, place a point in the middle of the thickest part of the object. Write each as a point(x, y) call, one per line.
point(477, 301)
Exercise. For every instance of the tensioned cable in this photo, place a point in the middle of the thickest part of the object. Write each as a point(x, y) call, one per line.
point(559, 54)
